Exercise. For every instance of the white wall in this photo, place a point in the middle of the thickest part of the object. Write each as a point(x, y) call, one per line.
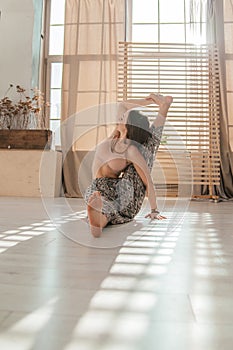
point(16, 33)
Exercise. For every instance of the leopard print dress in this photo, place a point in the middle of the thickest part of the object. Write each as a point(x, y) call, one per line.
point(123, 197)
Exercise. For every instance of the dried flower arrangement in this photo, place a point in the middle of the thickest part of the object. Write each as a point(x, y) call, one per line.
point(28, 112)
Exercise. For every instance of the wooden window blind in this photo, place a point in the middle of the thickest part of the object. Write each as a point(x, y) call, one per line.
point(189, 152)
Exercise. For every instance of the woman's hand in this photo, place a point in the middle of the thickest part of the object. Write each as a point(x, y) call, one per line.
point(155, 216)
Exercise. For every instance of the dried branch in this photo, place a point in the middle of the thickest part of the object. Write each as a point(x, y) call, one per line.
point(29, 112)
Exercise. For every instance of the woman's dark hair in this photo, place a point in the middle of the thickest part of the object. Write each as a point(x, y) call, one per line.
point(138, 127)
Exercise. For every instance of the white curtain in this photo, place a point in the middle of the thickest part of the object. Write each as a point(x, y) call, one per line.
point(220, 32)
point(92, 32)
point(219, 18)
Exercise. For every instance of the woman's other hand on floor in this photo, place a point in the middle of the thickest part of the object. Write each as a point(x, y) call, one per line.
point(155, 216)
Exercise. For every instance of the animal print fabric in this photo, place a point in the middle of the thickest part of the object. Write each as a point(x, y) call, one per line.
point(123, 197)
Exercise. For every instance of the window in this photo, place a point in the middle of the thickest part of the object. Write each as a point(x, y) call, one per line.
point(167, 21)
point(154, 21)
point(164, 52)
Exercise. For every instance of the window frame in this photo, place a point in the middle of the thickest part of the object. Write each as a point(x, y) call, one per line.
point(48, 60)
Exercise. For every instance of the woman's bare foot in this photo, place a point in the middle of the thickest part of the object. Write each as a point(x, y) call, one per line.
point(96, 219)
point(164, 102)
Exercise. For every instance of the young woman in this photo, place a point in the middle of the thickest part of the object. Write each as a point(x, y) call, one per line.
point(122, 165)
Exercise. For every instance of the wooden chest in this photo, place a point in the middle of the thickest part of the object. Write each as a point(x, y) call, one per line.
point(25, 139)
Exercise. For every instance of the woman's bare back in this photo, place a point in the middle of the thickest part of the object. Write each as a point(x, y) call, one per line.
point(107, 162)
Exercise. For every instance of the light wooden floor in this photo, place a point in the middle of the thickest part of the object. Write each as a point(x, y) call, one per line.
point(142, 286)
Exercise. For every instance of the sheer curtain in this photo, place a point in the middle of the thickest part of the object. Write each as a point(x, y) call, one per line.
point(220, 32)
point(219, 15)
point(92, 32)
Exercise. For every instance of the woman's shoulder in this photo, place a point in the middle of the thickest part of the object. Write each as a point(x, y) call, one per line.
point(133, 151)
